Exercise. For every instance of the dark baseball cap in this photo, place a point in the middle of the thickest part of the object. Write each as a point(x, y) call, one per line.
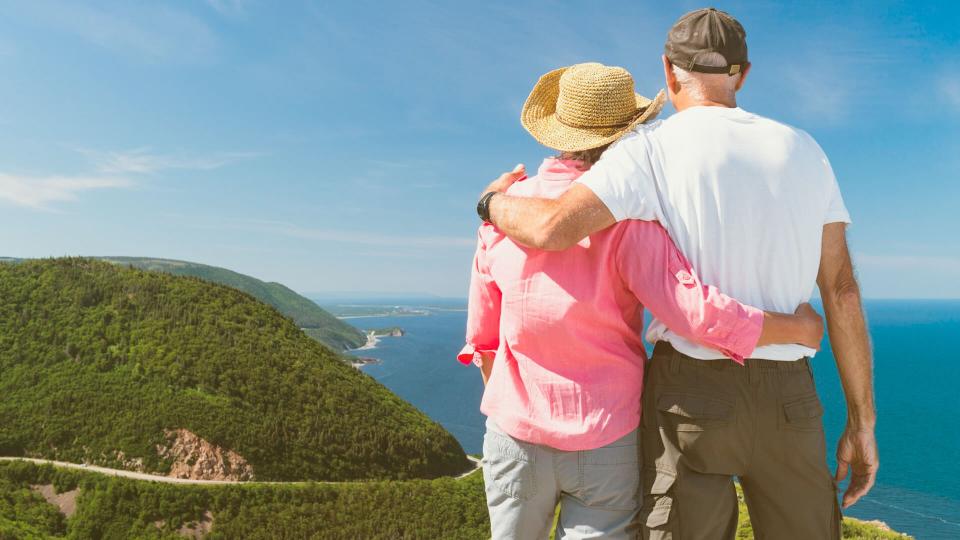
point(704, 31)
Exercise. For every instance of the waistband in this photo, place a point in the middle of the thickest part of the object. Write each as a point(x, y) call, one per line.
point(665, 351)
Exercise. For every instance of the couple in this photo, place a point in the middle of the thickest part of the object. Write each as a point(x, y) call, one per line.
point(632, 214)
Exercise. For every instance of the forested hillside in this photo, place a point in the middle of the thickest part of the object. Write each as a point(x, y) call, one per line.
point(112, 508)
point(316, 322)
point(97, 360)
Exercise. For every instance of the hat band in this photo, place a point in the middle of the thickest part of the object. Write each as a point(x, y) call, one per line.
point(731, 70)
point(624, 124)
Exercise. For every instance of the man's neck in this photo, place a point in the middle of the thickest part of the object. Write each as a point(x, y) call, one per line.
point(684, 104)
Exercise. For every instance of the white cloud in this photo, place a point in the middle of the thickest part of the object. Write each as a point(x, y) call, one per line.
point(151, 30)
point(143, 161)
point(40, 192)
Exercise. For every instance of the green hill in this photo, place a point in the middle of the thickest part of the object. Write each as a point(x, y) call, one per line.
point(111, 508)
point(316, 322)
point(97, 360)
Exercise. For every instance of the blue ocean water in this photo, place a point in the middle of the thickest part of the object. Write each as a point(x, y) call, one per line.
point(917, 377)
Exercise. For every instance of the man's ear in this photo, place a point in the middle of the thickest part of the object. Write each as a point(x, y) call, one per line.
point(673, 87)
point(743, 76)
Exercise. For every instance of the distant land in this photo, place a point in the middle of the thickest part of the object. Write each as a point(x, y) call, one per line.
point(333, 297)
point(175, 375)
point(396, 306)
point(354, 311)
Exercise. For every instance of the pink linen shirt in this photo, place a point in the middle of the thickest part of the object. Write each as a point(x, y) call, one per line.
point(566, 326)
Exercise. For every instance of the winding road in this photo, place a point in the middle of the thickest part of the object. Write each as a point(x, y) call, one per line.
point(167, 480)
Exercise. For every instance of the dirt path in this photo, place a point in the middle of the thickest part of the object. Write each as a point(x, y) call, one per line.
point(167, 480)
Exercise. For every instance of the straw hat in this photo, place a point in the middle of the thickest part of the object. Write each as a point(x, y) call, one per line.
point(585, 106)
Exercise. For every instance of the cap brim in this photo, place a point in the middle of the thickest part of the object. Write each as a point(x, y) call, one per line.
point(539, 118)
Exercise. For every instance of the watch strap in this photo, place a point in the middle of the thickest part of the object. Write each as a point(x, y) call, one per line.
point(483, 206)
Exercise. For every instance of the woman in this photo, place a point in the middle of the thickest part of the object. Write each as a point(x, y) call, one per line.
point(557, 334)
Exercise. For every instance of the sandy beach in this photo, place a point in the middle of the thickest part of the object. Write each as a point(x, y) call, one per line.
point(371, 343)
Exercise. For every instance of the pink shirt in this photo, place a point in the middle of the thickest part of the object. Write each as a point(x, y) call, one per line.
point(566, 325)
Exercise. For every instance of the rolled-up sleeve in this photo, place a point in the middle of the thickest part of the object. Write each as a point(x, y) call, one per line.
point(483, 310)
point(658, 274)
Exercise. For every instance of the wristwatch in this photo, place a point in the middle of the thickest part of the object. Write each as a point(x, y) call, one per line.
point(483, 206)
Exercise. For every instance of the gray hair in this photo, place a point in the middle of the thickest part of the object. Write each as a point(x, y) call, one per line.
point(703, 86)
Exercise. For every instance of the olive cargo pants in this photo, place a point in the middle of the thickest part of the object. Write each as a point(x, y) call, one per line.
point(705, 422)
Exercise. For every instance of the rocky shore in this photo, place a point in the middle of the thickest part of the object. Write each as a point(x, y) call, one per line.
point(373, 338)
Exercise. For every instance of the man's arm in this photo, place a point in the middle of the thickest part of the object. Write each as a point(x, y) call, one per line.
point(551, 224)
point(847, 328)
point(621, 185)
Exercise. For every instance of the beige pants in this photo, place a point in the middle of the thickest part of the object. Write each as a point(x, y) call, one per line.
point(598, 490)
point(706, 422)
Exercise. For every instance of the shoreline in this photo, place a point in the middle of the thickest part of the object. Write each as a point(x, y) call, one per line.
point(360, 361)
point(371, 343)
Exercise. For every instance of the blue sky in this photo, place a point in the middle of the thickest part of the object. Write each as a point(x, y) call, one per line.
point(340, 146)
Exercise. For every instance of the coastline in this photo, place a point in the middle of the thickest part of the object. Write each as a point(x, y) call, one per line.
point(371, 343)
point(360, 361)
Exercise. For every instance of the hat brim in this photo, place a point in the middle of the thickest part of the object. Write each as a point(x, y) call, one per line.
point(539, 118)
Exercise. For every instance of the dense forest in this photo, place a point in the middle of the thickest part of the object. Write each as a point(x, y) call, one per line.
point(316, 322)
point(113, 508)
point(97, 360)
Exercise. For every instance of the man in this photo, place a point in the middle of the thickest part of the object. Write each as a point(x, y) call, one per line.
point(756, 208)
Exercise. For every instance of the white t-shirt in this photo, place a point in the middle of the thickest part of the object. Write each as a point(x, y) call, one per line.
point(744, 197)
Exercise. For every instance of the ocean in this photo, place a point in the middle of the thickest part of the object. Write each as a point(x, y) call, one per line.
point(917, 375)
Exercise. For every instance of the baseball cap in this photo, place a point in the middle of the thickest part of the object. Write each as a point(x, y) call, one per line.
point(703, 31)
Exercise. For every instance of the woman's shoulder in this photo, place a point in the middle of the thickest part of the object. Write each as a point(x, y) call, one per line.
point(639, 231)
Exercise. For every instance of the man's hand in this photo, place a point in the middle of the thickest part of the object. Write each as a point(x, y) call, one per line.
point(857, 451)
point(813, 326)
point(505, 180)
point(551, 224)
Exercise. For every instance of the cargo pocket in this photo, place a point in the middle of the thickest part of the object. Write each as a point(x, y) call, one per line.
point(509, 466)
point(658, 504)
point(693, 413)
point(803, 414)
point(610, 477)
point(698, 427)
